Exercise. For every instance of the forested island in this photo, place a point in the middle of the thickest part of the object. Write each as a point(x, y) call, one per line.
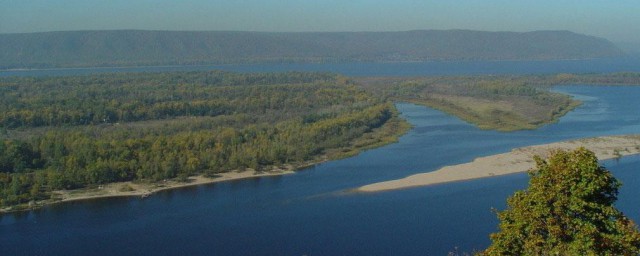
point(67, 133)
point(122, 48)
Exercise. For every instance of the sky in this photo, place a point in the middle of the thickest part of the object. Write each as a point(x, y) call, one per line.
point(616, 20)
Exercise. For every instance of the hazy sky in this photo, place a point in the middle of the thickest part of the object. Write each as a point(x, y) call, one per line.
point(617, 20)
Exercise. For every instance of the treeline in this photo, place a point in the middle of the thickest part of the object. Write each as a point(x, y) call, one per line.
point(624, 78)
point(33, 102)
point(516, 90)
point(478, 87)
point(545, 81)
point(285, 123)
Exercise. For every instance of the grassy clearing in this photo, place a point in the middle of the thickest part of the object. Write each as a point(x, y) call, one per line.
point(497, 115)
point(495, 103)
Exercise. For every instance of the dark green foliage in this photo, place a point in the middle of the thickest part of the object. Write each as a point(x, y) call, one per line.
point(18, 156)
point(135, 48)
point(176, 125)
point(113, 98)
point(568, 209)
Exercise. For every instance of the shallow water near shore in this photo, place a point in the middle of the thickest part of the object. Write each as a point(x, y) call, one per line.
point(310, 213)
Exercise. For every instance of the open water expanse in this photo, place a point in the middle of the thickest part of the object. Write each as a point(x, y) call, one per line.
point(311, 212)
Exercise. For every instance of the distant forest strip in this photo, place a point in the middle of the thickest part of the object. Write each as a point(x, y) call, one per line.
point(505, 103)
point(114, 98)
point(157, 48)
point(73, 132)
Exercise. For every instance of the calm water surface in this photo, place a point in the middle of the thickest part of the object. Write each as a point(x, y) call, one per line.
point(309, 213)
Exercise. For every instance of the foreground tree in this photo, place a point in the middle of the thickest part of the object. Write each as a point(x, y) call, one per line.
point(567, 210)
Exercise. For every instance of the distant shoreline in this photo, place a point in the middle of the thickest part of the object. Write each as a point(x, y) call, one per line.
point(292, 62)
point(517, 161)
point(131, 47)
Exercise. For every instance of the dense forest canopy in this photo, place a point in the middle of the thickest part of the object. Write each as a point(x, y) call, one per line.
point(33, 102)
point(72, 132)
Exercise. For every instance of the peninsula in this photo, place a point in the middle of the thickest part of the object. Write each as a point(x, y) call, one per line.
point(518, 160)
point(132, 134)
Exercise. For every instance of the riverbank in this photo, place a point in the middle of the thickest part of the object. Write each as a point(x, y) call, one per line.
point(145, 189)
point(518, 160)
point(387, 134)
point(123, 189)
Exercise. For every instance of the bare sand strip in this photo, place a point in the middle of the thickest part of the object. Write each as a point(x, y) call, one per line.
point(518, 160)
point(124, 189)
point(143, 190)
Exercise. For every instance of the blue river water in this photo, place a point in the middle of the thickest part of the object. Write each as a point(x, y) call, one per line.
point(311, 212)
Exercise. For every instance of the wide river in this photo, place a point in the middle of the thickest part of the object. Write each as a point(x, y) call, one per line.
point(311, 212)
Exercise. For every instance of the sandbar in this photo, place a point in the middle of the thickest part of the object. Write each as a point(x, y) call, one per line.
point(518, 160)
point(146, 189)
point(125, 189)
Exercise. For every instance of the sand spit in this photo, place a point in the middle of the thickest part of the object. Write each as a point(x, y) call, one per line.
point(143, 190)
point(122, 189)
point(518, 160)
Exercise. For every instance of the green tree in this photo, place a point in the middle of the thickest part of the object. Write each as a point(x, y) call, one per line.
point(174, 125)
point(567, 210)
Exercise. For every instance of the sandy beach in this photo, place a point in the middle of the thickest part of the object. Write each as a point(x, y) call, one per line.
point(518, 160)
point(143, 190)
point(123, 189)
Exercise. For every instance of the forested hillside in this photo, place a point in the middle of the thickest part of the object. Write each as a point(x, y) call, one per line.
point(73, 132)
point(136, 47)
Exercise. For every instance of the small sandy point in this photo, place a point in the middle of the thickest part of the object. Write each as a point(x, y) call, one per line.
point(518, 160)
point(124, 189)
point(143, 190)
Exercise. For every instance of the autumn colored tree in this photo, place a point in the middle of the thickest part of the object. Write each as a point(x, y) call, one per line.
point(152, 127)
point(566, 210)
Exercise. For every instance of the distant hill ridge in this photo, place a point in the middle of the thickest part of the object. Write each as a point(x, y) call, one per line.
point(142, 47)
